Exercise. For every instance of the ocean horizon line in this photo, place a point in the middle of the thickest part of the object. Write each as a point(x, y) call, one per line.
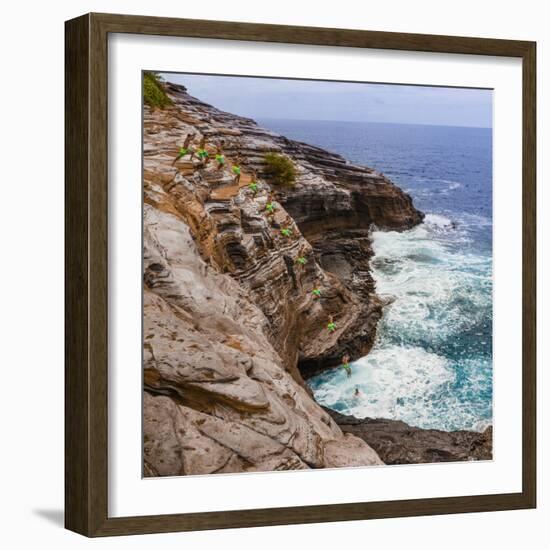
point(260, 118)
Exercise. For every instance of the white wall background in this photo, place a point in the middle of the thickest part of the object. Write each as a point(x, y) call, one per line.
point(31, 145)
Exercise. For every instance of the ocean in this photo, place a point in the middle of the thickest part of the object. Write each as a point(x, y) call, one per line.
point(431, 365)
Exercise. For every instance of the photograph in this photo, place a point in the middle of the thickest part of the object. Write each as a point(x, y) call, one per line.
point(317, 274)
point(284, 262)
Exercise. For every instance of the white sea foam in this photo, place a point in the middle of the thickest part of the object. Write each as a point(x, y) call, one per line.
point(408, 384)
point(437, 220)
point(394, 382)
point(441, 291)
point(454, 185)
point(448, 187)
point(451, 185)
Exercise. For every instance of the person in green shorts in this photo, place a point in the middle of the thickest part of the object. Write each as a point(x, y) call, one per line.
point(236, 169)
point(270, 205)
point(301, 260)
point(253, 185)
point(316, 291)
point(220, 158)
point(202, 153)
point(185, 149)
point(331, 325)
point(286, 232)
point(345, 365)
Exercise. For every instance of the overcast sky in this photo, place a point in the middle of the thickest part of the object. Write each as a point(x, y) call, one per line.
point(318, 100)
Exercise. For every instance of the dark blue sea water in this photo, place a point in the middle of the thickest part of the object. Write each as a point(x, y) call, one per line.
point(432, 363)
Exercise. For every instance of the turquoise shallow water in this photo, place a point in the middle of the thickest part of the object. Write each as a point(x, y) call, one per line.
point(431, 365)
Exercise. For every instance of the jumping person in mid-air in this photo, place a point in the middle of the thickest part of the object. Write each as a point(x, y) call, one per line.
point(185, 149)
point(220, 158)
point(331, 325)
point(202, 153)
point(345, 365)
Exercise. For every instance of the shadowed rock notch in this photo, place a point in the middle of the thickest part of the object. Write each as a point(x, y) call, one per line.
point(231, 326)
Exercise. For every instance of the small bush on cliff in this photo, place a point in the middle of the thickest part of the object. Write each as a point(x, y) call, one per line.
point(153, 92)
point(280, 169)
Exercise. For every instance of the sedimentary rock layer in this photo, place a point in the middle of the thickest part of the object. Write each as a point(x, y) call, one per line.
point(231, 326)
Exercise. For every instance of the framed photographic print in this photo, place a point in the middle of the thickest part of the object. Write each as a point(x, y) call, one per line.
point(300, 275)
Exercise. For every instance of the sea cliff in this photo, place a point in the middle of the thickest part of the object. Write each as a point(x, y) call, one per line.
point(231, 326)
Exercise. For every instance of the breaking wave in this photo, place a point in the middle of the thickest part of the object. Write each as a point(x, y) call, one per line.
point(431, 365)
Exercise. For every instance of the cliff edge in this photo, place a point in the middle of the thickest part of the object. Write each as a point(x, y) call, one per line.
point(231, 325)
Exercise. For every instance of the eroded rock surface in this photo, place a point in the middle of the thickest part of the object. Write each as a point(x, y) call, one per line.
point(398, 443)
point(230, 322)
point(218, 398)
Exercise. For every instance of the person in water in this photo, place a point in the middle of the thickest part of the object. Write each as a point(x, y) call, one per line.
point(357, 393)
point(185, 149)
point(220, 158)
point(331, 325)
point(236, 169)
point(202, 153)
point(345, 365)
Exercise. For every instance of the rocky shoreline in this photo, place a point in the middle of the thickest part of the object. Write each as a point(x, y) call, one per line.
point(399, 443)
point(231, 327)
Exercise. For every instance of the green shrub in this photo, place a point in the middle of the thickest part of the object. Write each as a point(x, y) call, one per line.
point(280, 169)
point(153, 92)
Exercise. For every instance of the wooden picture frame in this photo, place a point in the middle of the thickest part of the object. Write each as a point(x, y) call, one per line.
point(86, 283)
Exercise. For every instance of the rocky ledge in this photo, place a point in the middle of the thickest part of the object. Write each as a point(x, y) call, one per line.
point(231, 326)
point(398, 443)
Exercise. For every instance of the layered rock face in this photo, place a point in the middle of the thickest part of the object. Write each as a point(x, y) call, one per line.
point(330, 209)
point(231, 325)
point(217, 397)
